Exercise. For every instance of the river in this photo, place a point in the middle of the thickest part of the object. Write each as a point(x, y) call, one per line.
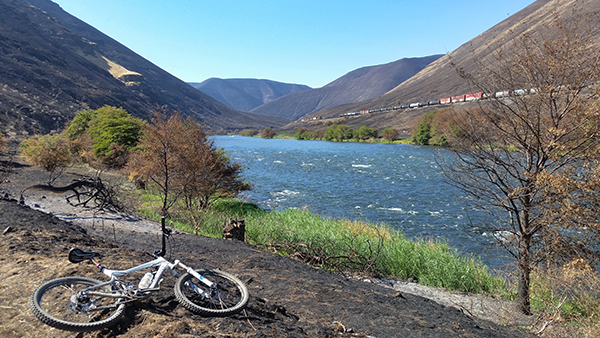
point(399, 185)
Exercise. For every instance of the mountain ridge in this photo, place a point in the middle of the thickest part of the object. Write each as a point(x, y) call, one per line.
point(246, 94)
point(360, 84)
point(440, 79)
point(53, 65)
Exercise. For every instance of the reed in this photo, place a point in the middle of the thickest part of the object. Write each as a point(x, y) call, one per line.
point(359, 247)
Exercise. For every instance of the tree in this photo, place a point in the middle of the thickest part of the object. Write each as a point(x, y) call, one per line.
point(112, 126)
point(364, 133)
point(538, 131)
point(216, 176)
point(50, 152)
point(79, 124)
point(338, 132)
point(268, 133)
point(249, 132)
point(389, 133)
point(422, 132)
point(105, 135)
point(300, 133)
point(177, 157)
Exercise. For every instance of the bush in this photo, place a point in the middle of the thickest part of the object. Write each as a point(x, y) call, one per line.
point(49, 151)
point(338, 132)
point(107, 133)
point(389, 134)
point(431, 129)
point(113, 126)
point(422, 133)
point(364, 133)
point(268, 133)
point(249, 132)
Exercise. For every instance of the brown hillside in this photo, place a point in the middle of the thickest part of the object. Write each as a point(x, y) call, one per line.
point(358, 85)
point(246, 94)
point(53, 65)
point(439, 79)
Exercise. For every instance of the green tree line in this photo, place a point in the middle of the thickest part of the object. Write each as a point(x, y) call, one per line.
point(341, 133)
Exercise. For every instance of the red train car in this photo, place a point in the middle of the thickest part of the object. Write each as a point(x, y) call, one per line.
point(458, 98)
point(473, 96)
point(446, 100)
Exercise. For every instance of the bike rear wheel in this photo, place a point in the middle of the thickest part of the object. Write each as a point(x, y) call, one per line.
point(229, 295)
point(59, 304)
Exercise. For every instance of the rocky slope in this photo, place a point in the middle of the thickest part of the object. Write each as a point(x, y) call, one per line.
point(53, 65)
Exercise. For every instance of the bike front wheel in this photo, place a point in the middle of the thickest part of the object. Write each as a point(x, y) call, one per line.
point(228, 296)
point(61, 304)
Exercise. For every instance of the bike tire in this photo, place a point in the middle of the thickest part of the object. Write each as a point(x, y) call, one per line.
point(51, 304)
point(229, 298)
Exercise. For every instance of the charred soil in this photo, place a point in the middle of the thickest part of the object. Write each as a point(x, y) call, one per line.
point(287, 298)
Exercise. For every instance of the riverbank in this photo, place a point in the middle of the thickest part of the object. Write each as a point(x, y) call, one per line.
point(393, 184)
point(341, 245)
point(287, 296)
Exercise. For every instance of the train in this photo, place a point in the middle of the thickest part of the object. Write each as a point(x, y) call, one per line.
point(445, 101)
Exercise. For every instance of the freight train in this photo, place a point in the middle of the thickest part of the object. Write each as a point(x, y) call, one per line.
point(444, 101)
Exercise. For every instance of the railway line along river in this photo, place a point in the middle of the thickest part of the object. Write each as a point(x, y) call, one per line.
point(399, 185)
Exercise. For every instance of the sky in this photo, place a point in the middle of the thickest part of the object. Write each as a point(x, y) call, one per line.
point(310, 42)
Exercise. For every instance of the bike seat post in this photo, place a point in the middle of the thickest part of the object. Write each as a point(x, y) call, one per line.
point(97, 264)
point(164, 241)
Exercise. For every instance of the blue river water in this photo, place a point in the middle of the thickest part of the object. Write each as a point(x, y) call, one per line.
point(399, 185)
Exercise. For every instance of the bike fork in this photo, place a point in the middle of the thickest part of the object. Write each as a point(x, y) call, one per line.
point(203, 293)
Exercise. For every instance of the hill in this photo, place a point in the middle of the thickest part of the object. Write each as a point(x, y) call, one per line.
point(53, 65)
point(246, 94)
point(439, 79)
point(358, 85)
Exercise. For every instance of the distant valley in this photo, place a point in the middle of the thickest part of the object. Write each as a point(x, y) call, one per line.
point(292, 101)
point(439, 79)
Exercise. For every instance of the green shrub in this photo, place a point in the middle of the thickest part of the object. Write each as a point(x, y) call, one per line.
point(108, 133)
point(389, 134)
point(249, 132)
point(49, 151)
point(423, 133)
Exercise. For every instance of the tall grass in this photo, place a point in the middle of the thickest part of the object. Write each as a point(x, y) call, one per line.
point(357, 246)
point(566, 300)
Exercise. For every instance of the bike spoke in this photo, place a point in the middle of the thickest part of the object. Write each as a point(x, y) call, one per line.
point(228, 294)
point(63, 302)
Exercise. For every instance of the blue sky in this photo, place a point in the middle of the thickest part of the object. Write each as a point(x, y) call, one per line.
point(294, 41)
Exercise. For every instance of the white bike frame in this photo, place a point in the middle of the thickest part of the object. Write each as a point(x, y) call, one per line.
point(161, 262)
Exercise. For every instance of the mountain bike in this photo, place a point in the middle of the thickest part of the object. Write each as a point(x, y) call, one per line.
point(86, 304)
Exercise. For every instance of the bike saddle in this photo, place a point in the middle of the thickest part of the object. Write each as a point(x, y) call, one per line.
point(77, 255)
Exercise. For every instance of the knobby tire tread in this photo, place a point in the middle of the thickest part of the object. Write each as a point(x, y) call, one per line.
point(206, 311)
point(48, 319)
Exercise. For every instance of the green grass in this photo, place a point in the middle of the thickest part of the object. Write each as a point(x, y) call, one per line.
point(359, 246)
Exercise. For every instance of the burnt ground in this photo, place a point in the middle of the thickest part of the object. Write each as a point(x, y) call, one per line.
point(287, 298)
